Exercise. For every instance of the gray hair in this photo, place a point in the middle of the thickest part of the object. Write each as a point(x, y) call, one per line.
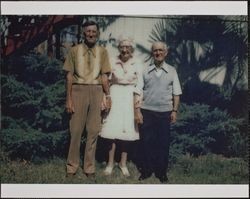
point(126, 38)
point(160, 42)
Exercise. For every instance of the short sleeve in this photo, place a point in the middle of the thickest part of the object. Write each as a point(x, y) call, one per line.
point(105, 62)
point(69, 61)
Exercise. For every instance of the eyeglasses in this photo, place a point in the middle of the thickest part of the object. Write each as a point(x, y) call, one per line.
point(127, 47)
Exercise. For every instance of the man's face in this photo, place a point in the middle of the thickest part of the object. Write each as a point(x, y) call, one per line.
point(91, 34)
point(159, 53)
point(125, 49)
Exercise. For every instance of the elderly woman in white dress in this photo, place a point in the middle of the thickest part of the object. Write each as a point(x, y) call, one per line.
point(120, 126)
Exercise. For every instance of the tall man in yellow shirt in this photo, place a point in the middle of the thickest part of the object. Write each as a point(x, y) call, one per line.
point(87, 66)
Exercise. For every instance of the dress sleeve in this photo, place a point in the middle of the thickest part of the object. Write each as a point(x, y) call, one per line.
point(139, 84)
point(69, 61)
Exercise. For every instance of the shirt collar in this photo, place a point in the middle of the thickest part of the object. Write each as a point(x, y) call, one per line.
point(131, 61)
point(164, 67)
point(91, 50)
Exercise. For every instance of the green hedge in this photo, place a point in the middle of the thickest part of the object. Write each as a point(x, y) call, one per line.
point(35, 124)
point(23, 142)
point(201, 129)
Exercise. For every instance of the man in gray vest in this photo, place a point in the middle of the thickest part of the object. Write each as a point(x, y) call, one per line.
point(159, 108)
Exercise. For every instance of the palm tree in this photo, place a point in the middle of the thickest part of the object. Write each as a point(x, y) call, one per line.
point(198, 43)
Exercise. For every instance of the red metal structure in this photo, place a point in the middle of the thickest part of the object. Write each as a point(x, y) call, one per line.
point(26, 32)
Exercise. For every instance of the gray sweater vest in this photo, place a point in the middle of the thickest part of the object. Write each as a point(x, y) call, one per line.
point(158, 91)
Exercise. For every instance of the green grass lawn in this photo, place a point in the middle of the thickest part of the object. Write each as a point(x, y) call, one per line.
point(209, 169)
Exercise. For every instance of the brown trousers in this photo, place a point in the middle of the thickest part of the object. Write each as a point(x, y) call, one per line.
point(87, 103)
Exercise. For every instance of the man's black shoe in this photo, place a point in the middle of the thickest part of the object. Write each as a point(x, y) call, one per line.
point(163, 179)
point(144, 176)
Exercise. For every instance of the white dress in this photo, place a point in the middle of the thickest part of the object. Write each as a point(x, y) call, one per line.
point(120, 124)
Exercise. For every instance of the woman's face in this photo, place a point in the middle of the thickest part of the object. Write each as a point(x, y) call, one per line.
point(126, 50)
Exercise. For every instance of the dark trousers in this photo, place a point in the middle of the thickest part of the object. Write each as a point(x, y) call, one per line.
point(154, 142)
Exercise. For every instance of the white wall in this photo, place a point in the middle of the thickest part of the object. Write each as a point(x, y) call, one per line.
point(139, 28)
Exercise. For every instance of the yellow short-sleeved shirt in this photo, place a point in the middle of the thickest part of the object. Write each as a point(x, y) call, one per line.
point(87, 64)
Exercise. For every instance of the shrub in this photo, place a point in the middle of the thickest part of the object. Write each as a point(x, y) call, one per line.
point(201, 130)
point(23, 142)
point(35, 92)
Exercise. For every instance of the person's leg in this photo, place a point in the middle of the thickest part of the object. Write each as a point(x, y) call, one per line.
point(76, 127)
point(93, 127)
point(123, 162)
point(110, 165)
point(162, 150)
point(111, 155)
point(124, 145)
point(147, 137)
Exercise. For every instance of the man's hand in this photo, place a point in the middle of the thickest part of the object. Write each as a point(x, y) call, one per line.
point(138, 116)
point(69, 106)
point(173, 117)
point(106, 102)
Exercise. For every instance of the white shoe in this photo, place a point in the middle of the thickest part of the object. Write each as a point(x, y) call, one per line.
point(108, 170)
point(124, 171)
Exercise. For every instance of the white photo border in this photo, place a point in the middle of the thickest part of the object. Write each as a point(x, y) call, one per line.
point(124, 8)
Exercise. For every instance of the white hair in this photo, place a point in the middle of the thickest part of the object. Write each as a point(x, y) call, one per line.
point(162, 43)
point(129, 39)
